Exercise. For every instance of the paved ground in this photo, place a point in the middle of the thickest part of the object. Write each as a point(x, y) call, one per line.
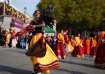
point(13, 61)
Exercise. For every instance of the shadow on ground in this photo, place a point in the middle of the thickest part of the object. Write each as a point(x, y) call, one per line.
point(12, 70)
point(82, 64)
point(71, 72)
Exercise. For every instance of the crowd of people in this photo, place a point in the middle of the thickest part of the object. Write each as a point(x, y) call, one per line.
point(55, 47)
point(9, 38)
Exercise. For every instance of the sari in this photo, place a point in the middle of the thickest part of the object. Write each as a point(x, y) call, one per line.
point(60, 46)
point(100, 53)
point(47, 62)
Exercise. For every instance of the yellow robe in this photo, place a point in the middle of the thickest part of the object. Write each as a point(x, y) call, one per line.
point(8, 37)
point(60, 37)
point(49, 61)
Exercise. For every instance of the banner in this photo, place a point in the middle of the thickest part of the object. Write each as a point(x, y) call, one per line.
point(18, 23)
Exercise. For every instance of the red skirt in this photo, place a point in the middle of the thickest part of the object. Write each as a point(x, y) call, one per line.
point(100, 56)
point(60, 49)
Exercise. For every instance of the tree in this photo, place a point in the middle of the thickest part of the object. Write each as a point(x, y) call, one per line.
point(88, 14)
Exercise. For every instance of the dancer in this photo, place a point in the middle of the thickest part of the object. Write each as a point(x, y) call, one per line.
point(87, 46)
point(100, 54)
point(60, 46)
point(42, 56)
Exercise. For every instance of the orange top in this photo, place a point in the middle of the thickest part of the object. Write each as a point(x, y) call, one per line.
point(8, 37)
point(94, 43)
point(60, 37)
point(87, 42)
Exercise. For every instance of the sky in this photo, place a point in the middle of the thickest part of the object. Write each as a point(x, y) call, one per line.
point(29, 4)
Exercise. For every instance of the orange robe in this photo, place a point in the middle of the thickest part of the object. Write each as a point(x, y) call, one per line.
point(8, 37)
point(87, 47)
point(93, 47)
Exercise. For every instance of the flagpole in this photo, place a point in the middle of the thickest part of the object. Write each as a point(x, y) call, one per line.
point(4, 8)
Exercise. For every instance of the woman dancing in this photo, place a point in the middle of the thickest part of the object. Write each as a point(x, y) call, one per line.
point(42, 56)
